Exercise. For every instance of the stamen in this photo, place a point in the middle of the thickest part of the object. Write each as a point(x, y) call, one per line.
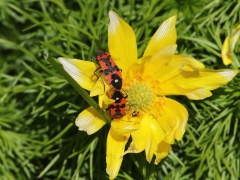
point(140, 97)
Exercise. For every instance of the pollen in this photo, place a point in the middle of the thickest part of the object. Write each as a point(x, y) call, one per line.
point(140, 97)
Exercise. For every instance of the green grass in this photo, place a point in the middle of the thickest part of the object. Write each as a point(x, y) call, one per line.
point(38, 107)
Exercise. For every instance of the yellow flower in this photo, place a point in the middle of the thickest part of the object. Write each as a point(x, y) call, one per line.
point(158, 120)
point(226, 51)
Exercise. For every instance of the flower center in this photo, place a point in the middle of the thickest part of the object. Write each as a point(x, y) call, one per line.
point(140, 97)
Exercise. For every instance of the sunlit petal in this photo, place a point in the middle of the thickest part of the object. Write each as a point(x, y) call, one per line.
point(139, 137)
point(162, 151)
point(104, 101)
point(89, 120)
point(178, 63)
point(137, 68)
point(158, 135)
point(159, 59)
point(186, 76)
point(166, 35)
point(120, 126)
point(173, 120)
point(226, 52)
point(147, 137)
point(100, 87)
point(209, 79)
point(81, 71)
point(115, 148)
point(171, 88)
point(121, 42)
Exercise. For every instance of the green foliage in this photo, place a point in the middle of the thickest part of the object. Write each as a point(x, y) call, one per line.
point(38, 107)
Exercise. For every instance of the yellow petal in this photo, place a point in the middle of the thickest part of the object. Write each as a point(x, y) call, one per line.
point(162, 151)
point(120, 126)
point(173, 120)
point(115, 148)
point(147, 137)
point(178, 63)
point(159, 59)
point(205, 78)
point(186, 76)
point(89, 120)
point(226, 52)
point(137, 68)
point(139, 137)
point(100, 87)
point(104, 101)
point(166, 35)
point(101, 100)
point(121, 42)
point(81, 71)
point(170, 88)
point(158, 135)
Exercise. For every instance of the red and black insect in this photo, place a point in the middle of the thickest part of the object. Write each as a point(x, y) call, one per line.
point(117, 109)
point(110, 70)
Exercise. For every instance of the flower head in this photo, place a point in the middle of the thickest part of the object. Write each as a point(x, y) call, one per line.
point(153, 121)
